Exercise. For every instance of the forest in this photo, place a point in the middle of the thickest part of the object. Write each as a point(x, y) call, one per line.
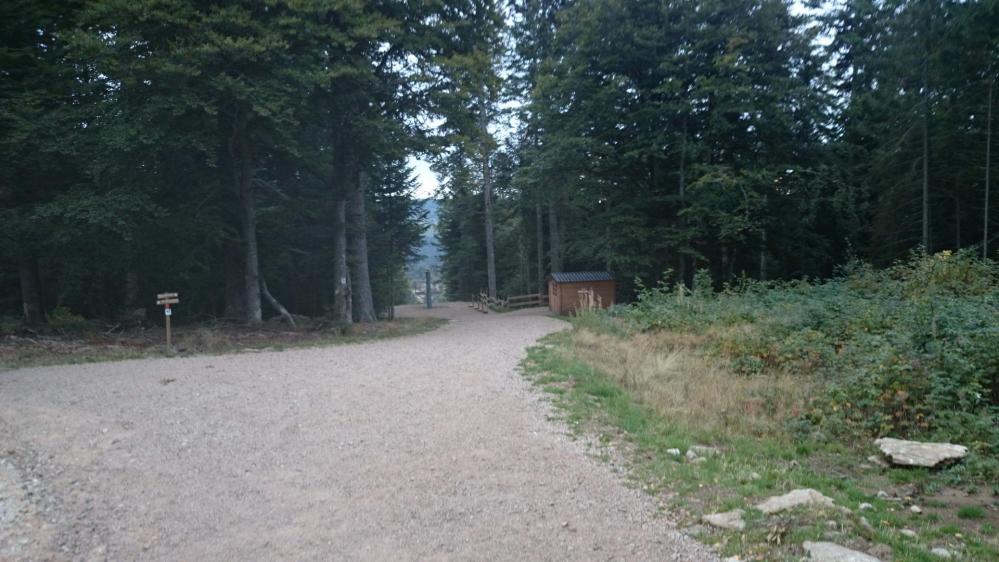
point(254, 154)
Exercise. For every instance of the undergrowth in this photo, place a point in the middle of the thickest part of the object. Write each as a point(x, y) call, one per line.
point(793, 381)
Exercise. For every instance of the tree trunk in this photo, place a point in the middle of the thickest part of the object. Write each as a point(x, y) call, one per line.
point(277, 305)
point(233, 271)
point(988, 161)
point(681, 268)
point(341, 275)
point(539, 226)
point(554, 240)
point(248, 224)
point(487, 196)
point(763, 255)
point(364, 305)
point(926, 149)
point(31, 301)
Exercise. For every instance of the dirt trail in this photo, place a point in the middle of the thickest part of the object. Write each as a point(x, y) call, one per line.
point(424, 447)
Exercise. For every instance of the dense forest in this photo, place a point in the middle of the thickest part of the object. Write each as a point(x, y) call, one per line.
point(253, 154)
point(765, 139)
point(238, 153)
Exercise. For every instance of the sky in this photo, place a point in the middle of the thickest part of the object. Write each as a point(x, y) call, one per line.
point(424, 176)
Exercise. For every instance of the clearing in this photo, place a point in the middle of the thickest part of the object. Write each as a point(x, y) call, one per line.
point(429, 446)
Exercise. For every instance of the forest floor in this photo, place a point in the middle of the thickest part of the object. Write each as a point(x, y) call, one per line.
point(423, 447)
point(616, 384)
point(89, 342)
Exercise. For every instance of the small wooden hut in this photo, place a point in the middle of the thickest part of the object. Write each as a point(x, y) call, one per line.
point(570, 290)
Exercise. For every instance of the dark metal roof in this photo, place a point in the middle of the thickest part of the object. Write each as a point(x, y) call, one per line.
point(581, 276)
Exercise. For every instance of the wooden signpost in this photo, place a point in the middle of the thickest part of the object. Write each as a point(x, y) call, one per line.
point(166, 299)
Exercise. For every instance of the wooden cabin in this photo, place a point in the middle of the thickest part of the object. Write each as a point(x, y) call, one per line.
point(570, 290)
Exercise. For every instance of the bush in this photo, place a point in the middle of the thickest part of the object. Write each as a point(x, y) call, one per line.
point(908, 351)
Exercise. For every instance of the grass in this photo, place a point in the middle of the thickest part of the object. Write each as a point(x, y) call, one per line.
point(971, 512)
point(646, 393)
point(86, 344)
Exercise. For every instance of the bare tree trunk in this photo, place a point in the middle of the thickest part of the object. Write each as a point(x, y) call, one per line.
point(763, 255)
point(681, 269)
point(31, 301)
point(364, 305)
point(988, 161)
point(554, 240)
point(341, 276)
point(248, 226)
point(539, 226)
point(957, 222)
point(233, 270)
point(277, 305)
point(926, 149)
point(487, 196)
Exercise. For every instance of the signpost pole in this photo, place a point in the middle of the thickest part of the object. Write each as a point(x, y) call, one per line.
point(167, 311)
point(166, 299)
point(429, 298)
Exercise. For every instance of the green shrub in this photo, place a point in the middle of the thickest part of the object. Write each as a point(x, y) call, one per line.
point(907, 351)
point(63, 318)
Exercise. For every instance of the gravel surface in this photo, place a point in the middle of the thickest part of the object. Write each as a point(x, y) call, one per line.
point(424, 447)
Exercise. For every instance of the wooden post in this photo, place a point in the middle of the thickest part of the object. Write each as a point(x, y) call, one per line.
point(429, 298)
point(166, 299)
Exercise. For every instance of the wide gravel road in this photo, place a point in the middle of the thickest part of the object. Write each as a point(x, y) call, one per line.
point(429, 447)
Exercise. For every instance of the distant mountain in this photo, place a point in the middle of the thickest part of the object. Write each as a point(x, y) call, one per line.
point(429, 252)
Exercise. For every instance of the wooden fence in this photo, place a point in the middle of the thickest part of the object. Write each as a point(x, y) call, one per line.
point(484, 303)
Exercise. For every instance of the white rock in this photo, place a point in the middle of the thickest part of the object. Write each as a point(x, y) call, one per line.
point(731, 520)
point(877, 460)
point(794, 498)
point(673, 452)
point(754, 476)
point(941, 552)
point(704, 450)
point(865, 506)
point(831, 552)
point(691, 455)
point(908, 533)
point(917, 453)
point(916, 509)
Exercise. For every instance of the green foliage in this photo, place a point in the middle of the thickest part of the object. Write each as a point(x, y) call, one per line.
point(907, 351)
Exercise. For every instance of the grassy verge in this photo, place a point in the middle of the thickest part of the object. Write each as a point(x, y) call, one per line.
point(647, 393)
point(85, 344)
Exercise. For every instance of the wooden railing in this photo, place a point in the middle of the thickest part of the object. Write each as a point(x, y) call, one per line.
point(484, 303)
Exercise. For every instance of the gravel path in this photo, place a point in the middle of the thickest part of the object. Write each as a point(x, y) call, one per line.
point(429, 447)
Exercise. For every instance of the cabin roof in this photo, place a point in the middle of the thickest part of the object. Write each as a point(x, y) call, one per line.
point(581, 276)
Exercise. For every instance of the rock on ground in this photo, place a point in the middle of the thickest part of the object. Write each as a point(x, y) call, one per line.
point(731, 520)
point(832, 552)
point(428, 447)
point(795, 498)
point(917, 453)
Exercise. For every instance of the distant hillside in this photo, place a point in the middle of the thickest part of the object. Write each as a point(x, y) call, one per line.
point(429, 252)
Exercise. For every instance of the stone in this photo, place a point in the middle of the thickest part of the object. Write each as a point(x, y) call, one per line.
point(908, 533)
point(832, 552)
point(918, 453)
point(794, 498)
point(882, 551)
point(941, 552)
point(704, 450)
point(673, 452)
point(731, 520)
point(916, 509)
point(754, 476)
point(691, 455)
point(865, 506)
point(877, 461)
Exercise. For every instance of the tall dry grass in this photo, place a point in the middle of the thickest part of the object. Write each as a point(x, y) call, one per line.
point(667, 372)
